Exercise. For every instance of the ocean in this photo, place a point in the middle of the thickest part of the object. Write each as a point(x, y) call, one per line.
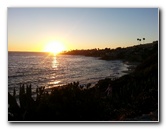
point(42, 69)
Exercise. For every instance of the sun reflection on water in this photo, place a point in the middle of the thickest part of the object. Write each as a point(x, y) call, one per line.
point(54, 62)
point(53, 82)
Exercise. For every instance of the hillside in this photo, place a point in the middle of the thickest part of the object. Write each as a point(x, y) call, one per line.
point(135, 53)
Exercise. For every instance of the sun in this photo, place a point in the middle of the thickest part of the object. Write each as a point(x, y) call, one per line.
point(54, 47)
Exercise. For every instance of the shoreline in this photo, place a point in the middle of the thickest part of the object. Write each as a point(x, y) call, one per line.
point(132, 97)
point(94, 81)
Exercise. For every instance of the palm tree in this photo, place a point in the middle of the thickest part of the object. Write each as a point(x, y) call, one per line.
point(143, 40)
point(138, 40)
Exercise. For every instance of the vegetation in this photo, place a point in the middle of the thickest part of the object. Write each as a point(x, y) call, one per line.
point(119, 99)
point(136, 53)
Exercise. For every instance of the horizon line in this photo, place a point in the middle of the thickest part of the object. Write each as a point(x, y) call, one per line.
point(83, 49)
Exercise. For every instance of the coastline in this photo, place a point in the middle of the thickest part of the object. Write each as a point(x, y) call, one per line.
point(132, 97)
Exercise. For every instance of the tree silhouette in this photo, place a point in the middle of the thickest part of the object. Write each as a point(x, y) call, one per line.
point(138, 39)
point(143, 40)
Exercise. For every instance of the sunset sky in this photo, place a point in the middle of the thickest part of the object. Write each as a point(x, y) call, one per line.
point(32, 29)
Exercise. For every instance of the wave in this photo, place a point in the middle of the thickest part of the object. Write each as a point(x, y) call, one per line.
point(13, 76)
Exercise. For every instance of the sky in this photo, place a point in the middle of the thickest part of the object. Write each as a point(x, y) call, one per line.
point(31, 29)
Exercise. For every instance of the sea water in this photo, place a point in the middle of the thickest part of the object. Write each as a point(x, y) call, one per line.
point(43, 69)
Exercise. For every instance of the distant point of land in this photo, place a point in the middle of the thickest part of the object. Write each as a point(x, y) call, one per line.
point(136, 53)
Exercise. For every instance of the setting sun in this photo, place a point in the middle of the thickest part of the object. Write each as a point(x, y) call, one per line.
point(54, 47)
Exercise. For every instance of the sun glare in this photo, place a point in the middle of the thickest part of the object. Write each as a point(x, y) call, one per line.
point(54, 47)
